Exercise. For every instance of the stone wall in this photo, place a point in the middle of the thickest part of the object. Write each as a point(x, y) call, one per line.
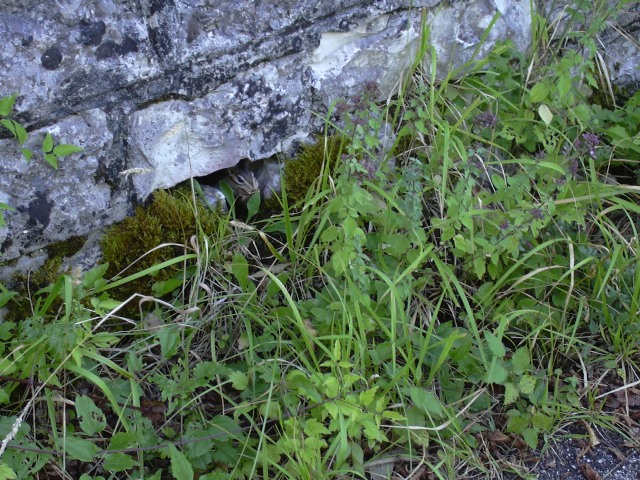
point(171, 89)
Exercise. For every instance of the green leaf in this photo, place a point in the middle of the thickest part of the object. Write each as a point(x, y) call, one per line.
point(530, 437)
point(92, 420)
point(117, 462)
point(94, 276)
point(510, 393)
point(16, 129)
point(27, 154)
point(539, 92)
point(6, 472)
point(426, 401)
point(162, 288)
point(47, 143)
point(180, 467)
point(80, 449)
point(253, 205)
point(527, 384)
point(169, 337)
point(65, 149)
point(521, 360)
point(545, 114)
point(51, 159)
point(495, 344)
point(240, 269)
point(6, 104)
point(239, 380)
point(496, 373)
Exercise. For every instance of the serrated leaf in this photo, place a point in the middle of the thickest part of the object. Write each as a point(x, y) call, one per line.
point(545, 114)
point(426, 401)
point(521, 360)
point(495, 344)
point(117, 462)
point(239, 380)
point(92, 420)
point(497, 373)
point(80, 449)
point(47, 143)
point(65, 149)
point(180, 467)
point(527, 384)
point(530, 437)
point(510, 393)
point(94, 275)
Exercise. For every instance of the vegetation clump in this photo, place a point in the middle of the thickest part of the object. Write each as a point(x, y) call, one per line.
point(154, 234)
point(455, 305)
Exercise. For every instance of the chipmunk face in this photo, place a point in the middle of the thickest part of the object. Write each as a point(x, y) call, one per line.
point(243, 182)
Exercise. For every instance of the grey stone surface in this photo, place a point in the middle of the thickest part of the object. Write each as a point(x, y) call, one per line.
point(163, 90)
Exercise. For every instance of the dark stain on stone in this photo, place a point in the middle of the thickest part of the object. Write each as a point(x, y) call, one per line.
point(51, 58)
point(91, 32)
point(26, 40)
point(39, 210)
point(107, 49)
point(161, 35)
point(129, 45)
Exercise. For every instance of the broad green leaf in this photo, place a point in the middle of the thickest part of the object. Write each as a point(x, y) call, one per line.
point(239, 380)
point(169, 337)
point(97, 273)
point(530, 437)
point(539, 92)
point(497, 373)
point(240, 269)
point(92, 420)
point(6, 472)
point(426, 401)
point(495, 344)
point(510, 393)
point(80, 449)
point(65, 149)
point(47, 143)
point(521, 360)
point(545, 114)
point(253, 205)
point(527, 384)
point(180, 467)
point(160, 289)
point(117, 462)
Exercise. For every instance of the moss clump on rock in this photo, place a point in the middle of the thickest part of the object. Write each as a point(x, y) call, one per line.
point(170, 217)
point(302, 171)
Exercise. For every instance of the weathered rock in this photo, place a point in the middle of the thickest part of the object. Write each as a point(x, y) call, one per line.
point(171, 90)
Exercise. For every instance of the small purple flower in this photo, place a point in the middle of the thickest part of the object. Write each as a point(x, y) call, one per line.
point(504, 225)
point(573, 166)
point(486, 120)
point(537, 213)
point(588, 141)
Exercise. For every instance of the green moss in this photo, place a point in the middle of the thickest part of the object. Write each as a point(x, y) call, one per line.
point(301, 172)
point(66, 248)
point(169, 218)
